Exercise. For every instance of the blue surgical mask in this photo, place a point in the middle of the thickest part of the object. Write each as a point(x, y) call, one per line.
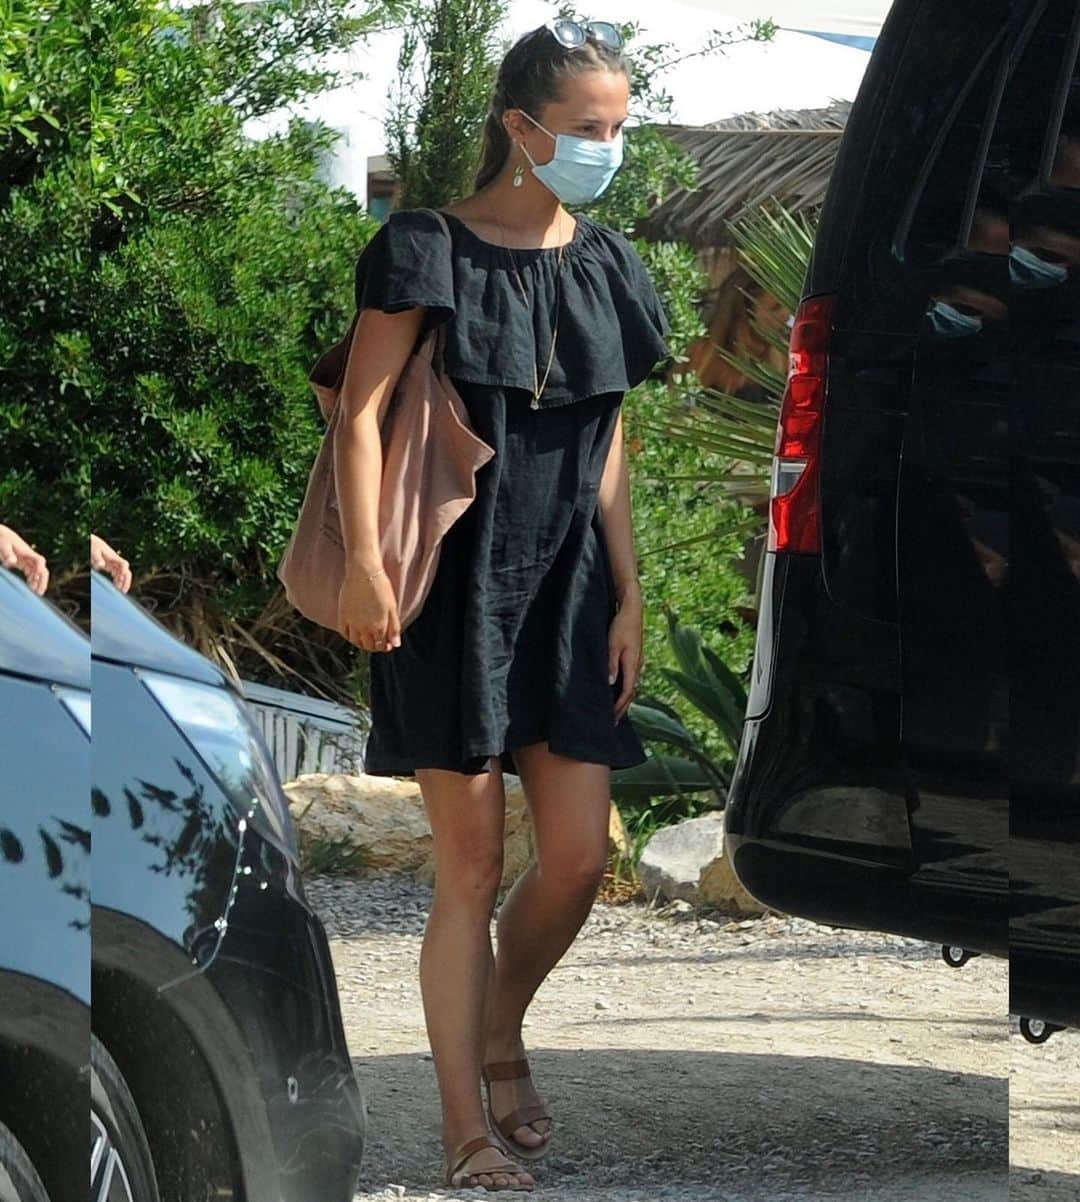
point(948, 322)
point(581, 168)
point(1029, 270)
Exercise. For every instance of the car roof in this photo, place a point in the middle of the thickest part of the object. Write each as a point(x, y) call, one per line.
point(37, 639)
point(124, 632)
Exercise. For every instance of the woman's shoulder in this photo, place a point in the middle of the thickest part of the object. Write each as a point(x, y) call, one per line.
point(403, 228)
point(404, 263)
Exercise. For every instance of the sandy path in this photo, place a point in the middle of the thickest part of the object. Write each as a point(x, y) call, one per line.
point(699, 1061)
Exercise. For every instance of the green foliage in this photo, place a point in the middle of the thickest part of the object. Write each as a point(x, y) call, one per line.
point(669, 787)
point(774, 246)
point(739, 436)
point(167, 281)
point(446, 68)
point(204, 358)
point(717, 692)
point(34, 36)
point(331, 857)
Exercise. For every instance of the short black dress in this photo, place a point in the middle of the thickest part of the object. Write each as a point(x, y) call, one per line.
point(511, 645)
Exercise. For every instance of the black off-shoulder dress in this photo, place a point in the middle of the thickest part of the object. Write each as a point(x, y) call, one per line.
point(511, 646)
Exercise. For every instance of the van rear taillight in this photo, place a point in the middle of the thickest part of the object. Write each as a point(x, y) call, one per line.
point(794, 507)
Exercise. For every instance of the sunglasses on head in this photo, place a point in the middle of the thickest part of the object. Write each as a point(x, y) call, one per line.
point(572, 34)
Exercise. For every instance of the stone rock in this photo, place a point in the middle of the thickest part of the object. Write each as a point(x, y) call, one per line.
point(618, 838)
point(686, 861)
point(380, 815)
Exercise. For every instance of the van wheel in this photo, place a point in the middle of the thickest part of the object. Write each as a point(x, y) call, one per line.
point(955, 957)
point(21, 1175)
point(1035, 1030)
point(121, 1168)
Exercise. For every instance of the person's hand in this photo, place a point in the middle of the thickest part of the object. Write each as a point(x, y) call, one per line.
point(368, 613)
point(16, 552)
point(108, 559)
point(625, 637)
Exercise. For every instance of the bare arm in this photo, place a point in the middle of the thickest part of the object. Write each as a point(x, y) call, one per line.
point(614, 502)
point(626, 634)
point(382, 343)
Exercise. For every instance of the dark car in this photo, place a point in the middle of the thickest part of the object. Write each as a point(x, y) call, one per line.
point(44, 899)
point(909, 761)
point(213, 988)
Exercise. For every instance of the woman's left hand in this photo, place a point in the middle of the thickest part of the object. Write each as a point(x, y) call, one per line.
point(625, 638)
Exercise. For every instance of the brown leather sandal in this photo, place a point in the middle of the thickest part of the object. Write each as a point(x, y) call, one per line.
point(504, 1128)
point(457, 1175)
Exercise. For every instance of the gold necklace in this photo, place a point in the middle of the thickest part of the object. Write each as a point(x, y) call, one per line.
point(538, 387)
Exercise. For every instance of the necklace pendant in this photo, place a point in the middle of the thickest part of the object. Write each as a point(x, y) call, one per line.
point(534, 403)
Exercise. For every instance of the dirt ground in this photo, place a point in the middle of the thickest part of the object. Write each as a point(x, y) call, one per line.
point(686, 1059)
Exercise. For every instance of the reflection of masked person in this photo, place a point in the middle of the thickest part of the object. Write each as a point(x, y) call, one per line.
point(16, 552)
point(1044, 272)
point(947, 321)
point(1030, 270)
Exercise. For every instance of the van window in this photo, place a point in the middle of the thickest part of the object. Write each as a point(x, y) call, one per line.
point(1015, 122)
point(1034, 154)
point(1039, 105)
point(938, 218)
point(1061, 158)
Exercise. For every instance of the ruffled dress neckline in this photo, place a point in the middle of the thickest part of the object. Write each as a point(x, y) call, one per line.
point(611, 325)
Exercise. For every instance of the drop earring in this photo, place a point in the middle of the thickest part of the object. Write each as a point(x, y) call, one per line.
point(519, 173)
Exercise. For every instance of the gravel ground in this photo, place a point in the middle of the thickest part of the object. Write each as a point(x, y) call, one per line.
point(697, 1059)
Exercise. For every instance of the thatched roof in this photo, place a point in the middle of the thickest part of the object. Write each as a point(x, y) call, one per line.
point(745, 161)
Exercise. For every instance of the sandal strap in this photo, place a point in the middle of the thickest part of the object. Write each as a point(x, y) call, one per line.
point(521, 1117)
point(467, 1149)
point(473, 1146)
point(506, 1070)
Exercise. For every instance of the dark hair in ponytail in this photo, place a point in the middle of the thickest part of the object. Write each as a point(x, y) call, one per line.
point(531, 75)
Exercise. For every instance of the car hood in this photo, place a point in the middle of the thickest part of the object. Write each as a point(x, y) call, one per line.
point(37, 639)
point(126, 633)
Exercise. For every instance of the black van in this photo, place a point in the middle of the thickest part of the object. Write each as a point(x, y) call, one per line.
point(910, 759)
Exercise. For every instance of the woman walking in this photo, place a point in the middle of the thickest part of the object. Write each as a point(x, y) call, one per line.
point(528, 648)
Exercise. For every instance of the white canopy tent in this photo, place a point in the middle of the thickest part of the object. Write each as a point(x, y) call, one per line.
point(796, 70)
point(861, 18)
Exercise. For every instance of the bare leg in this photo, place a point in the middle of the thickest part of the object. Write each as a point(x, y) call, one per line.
point(466, 814)
point(569, 801)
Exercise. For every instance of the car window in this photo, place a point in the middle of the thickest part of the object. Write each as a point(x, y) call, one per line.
point(1014, 123)
point(975, 233)
point(938, 218)
point(1032, 106)
point(1046, 163)
point(1062, 154)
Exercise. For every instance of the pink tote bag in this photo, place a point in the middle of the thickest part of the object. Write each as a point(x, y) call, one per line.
point(430, 458)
